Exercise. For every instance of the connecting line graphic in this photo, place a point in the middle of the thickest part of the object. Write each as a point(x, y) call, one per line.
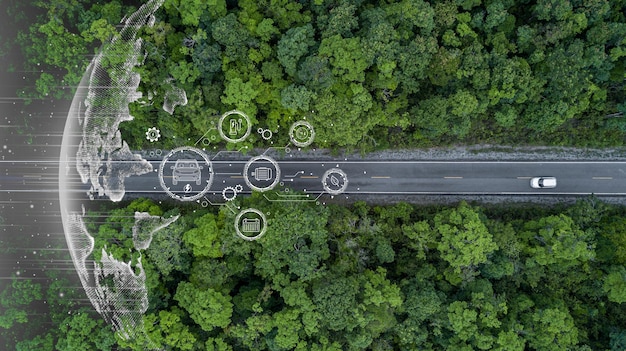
point(204, 135)
point(228, 205)
point(290, 196)
point(293, 198)
point(286, 147)
point(295, 175)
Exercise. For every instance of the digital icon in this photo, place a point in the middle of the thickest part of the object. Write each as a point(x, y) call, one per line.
point(262, 174)
point(235, 127)
point(259, 171)
point(266, 134)
point(153, 134)
point(232, 125)
point(251, 225)
point(335, 181)
point(229, 193)
point(186, 171)
point(301, 133)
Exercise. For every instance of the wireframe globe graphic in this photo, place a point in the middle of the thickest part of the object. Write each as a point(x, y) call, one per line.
point(95, 162)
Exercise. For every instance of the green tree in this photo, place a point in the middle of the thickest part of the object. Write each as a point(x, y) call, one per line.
point(167, 330)
point(288, 327)
point(352, 102)
point(558, 242)
point(340, 20)
point(410, 17)
point(463, 321)
point(15, 300)
point(335, 299)
point(296, 243)
point(295, 295)
point(39, 343)
point(208, 308)
point(551, 328)
point(422, 304)
point(615, 284)
point(231, 34)
point(294, 45)
point(297, 98)
point(240, 95)
point(346, 57)
point(465, 240)
point(82, 331)
point(203, 239)
point(509, 341)
point(190, 12)
point(217, 344)
point(315, 73)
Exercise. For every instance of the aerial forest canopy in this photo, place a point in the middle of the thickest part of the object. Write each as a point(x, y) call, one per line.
point(377, 278)
point(367, 74)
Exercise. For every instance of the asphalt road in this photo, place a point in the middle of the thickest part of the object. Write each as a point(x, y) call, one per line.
point(378, 177)
point(425, 177)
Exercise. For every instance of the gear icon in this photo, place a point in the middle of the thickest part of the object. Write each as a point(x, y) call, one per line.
point(266, 134)
point(229, 193)
point(238, 188)
point(153, 134)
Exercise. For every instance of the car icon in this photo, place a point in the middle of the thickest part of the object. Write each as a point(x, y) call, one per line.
point(543, 182)
point(186, 170)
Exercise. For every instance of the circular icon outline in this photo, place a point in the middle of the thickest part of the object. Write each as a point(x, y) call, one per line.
point(206, 159)
point(247, 167)
point(229, 193)
point(292, 131)
point(263, 227)
point(220, 130)
point(327, 187)
point(266, 134)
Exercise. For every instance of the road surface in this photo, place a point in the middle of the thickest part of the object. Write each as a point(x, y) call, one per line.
point(602, 178)
point(426, 177)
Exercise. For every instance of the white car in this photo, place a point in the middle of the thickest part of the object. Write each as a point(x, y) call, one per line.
point(543, 182)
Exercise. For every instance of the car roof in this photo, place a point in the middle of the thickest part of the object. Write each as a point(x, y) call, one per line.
point(549, 181)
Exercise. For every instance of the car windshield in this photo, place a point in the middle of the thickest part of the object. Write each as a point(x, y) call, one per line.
point(182, 164)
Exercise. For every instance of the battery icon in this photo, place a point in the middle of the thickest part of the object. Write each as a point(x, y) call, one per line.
point(251, 225)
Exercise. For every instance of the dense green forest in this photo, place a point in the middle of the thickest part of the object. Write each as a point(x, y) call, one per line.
point(359, 277)
point(367, 74)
